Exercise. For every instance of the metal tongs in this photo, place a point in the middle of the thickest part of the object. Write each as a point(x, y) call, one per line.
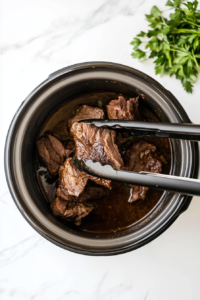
point(171, 183)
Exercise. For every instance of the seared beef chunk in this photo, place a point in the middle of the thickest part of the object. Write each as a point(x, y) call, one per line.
point(90, 193)
point(71, 211)
point(52, 166)
point(142, 157)
point(97, 144)
point(53, 152)
point(61, 130)
point(69, 146)
point(73, 191)
point(72, 181)
point(124, 110)
point(63, 193)
point(86, 112)
point(122, 139)
point(101, 181)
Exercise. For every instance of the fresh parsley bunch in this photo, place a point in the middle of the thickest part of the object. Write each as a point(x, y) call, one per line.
point(174, 42)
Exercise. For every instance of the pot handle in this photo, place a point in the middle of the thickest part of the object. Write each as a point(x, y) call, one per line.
point(70, 69)
point(185, 205)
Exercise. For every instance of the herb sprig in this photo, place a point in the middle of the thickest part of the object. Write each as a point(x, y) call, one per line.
point(100, 103)
point(127, 187)
point(173, 42)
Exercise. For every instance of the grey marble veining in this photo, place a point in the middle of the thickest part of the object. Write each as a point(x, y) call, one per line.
point(37, 38)
point(11, 254)
point(71, 27)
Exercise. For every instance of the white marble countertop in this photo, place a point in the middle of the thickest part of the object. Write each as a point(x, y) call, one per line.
point(38, 37)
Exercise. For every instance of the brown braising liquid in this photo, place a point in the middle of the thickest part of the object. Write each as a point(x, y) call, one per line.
point(113, 212)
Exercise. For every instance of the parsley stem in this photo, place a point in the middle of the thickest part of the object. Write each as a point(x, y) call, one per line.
point(163, 21)
point(178, 49)
point(183, 30)
point(167, 9)
point(173, 54)
point(197, 65)
point(185, 21)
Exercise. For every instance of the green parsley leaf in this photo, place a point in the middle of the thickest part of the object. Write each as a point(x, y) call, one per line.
point(138, 54)
point(190, 63)
point(153, 54)
point(180, 60)
point(141, 34)
point(136, 43)
point(160, 69)
point(127, 187)
point(196, 43)
point(170, 3)
point(182, 40)
point(155, 11)
point(173, 42)
point(173, 3)
point(100, 103)
point(131, 138)
point(191, 38)
point(187, 85)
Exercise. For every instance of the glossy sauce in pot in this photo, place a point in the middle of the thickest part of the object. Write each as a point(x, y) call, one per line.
point(113, 212)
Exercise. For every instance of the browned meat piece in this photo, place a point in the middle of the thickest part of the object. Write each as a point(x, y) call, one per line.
point(90, 193)
point(69, 147)
point(72, 181)
point(64, 194)
point(121, 138)
point(142, 157)
point(71, 211)
point(56, 149)
point(52, 166)
point(53, 152)
point(101, 181)
point(61, 131)
point(124, 110)
point(87, 112)
point(97, 144)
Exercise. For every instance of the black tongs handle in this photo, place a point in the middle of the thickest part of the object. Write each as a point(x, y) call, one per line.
point(183, 185)
point(184, 131)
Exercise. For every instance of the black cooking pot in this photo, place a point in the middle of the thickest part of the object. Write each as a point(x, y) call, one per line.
point(59, 88)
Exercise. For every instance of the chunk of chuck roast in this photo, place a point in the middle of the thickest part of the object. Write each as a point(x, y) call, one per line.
point(123, 109)
point(86, 112)
point(142, 156)
point(71, 211)
point(97, 144)
point(53, 152)
point(72, 181)
point(90, 193)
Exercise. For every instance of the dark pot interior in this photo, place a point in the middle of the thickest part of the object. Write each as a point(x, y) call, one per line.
point(62, 87)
